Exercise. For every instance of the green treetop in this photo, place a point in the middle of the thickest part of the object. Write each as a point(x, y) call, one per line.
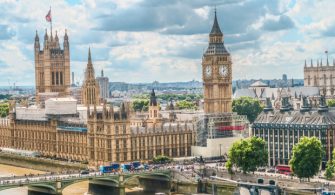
point(248, 106)
point(247, 154)
point(306, 157)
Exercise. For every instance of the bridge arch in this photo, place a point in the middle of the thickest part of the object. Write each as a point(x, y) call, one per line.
point(43, 188)
point(66, 184)
point(66, 187)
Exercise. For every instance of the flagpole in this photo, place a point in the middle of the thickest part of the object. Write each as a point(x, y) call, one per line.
point(50, 21)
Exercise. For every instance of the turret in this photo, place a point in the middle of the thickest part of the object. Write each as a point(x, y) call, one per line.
point(172, 114)
point(305, 64)
point(153, 106)
point(123, 112)
point(57, 40)
point(66, 42)
point(153, 99)
point(305, 105)
point(311, 62)
point(46, 39)
point(322, 104)
point(37, 43)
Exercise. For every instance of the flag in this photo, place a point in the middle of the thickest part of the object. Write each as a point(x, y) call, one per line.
point(48, 16)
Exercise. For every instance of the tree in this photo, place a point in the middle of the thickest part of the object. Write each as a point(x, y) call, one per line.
point(4, 109)
point(329, 173)
point(306, 157)
point(161, 159)
point(330, 169)
point(247, 154)
point(140, 105)
point(247, 106)
point(183, 104)
point(331, 102)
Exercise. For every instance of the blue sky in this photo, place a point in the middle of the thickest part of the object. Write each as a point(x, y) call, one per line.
point(147, 40)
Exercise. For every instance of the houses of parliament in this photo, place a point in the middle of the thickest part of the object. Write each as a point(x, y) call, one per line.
point(96, 132)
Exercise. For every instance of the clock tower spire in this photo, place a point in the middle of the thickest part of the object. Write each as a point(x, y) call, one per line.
point(217, 73)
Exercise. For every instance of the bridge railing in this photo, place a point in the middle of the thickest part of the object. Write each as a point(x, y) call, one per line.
point(47, 177)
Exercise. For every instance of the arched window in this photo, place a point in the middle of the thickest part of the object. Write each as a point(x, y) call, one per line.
point(331, 79)
point(324, 79)
point(309, 80)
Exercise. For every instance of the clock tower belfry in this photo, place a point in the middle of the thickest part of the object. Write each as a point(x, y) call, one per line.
point(217, 73)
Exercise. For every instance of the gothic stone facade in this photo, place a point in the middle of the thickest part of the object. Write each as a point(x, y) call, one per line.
point(52, 65)
point(107, 137)
point(321, 76)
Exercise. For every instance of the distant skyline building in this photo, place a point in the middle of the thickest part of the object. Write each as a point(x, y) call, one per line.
point(104, 85)
point(73, 84)
point(52, 66)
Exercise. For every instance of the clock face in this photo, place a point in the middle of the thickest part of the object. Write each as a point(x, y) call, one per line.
point(223, 70)
point(208, 71)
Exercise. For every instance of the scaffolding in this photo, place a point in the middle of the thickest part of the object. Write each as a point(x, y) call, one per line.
point(220, 125)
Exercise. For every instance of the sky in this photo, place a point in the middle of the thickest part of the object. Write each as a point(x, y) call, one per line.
point(147, 40)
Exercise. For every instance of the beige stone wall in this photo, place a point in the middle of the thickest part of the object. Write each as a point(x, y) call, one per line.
point(42, 136)
point(217, 87)
point(322, 77)
point(107, 140)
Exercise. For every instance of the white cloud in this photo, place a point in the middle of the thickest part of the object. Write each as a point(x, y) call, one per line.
point(166, 41)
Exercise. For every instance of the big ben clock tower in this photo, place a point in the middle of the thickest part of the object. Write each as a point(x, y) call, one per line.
point(217, 73)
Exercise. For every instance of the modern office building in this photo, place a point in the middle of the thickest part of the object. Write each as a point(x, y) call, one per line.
point(104, 85)
point(282, 129)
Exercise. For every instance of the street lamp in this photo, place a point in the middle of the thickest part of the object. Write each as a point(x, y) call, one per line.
point(220, 151)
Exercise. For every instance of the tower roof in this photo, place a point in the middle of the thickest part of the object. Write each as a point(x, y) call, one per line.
point(46, 35)
point(89, 68)
point(216, 45)
point(89, 56)
point(36, 36)
point(153, 99)
point(65, 36)
point(216, 28)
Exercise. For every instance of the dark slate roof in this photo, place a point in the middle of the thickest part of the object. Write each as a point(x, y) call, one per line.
point(312, 117)
point(216, 28)
point(216, 48)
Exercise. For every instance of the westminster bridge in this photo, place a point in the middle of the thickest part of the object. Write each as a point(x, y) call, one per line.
point(168, 181)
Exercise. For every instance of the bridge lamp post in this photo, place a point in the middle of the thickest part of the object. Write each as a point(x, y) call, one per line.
point(220, 151)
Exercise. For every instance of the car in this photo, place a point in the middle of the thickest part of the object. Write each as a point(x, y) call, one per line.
point(271, 170)
point(84, 172)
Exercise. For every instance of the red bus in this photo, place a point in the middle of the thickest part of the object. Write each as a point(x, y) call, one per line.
point(284, 169)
